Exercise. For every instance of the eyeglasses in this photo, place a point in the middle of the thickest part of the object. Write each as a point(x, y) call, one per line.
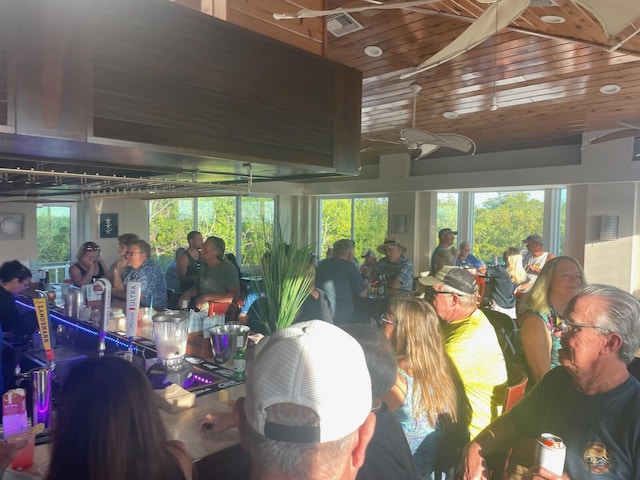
point(383, 319)
point(431, 294)
point(128, 253)
point(565, 324)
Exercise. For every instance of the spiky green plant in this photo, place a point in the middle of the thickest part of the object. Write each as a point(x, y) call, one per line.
point(287, 280)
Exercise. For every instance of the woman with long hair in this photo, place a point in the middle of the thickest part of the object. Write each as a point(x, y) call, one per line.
point(559, 280)
point(89, 266)
point(428, 397)
point(109, 428)
point(504, 282)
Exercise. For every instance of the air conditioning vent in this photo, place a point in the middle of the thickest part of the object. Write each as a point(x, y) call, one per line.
point(543, 3)
point(341, 24)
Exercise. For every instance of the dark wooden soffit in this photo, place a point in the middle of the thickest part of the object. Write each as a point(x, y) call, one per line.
point(154, 87)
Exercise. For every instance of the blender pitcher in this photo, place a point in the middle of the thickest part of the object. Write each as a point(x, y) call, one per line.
point(170, 335)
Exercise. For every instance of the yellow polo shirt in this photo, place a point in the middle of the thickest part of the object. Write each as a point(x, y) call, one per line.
point(473, 347)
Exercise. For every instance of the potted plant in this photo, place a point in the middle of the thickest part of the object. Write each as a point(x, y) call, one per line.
point(287, 280)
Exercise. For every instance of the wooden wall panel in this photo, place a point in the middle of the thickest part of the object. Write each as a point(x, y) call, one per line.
point(169, 79)
point(216, 85)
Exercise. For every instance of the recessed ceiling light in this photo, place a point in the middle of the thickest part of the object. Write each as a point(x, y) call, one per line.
point(450, 115)
point(372, 51)
point(610, 89)
point(552, 19)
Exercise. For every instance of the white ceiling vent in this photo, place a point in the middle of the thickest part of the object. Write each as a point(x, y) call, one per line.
point(341, 24)
point(543, 3)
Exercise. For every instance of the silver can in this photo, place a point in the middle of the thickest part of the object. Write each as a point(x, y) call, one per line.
point(550, 453)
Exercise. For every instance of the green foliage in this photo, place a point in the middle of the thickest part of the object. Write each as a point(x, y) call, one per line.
point(54, 236)
point(287, 280)
point(171, 219)
point(370, 220)
point(447, 211)
point(503, 221)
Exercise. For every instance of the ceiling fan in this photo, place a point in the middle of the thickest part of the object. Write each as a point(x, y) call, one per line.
point(613, 15)
point(630, 130)
point(425, 143)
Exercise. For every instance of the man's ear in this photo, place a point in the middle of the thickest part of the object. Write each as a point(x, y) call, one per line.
point(364, 435)
point(613, 344)
point(241, 423)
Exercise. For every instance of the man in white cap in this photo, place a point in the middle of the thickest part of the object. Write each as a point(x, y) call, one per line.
point(470, 340)
point(307, 411)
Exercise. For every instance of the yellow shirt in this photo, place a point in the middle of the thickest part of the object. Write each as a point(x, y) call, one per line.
point(474, 349)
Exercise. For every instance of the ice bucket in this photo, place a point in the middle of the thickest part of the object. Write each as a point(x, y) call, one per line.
point(223, 340)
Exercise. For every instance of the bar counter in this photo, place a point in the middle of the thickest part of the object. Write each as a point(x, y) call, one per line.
point(219, 457)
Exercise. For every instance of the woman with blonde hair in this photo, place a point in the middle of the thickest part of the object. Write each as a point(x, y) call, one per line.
point(504, 282)
point(559, 280)
point(89, 266)
point(428, 397)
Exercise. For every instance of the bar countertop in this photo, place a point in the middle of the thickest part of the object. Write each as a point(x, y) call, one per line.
point(181, 426)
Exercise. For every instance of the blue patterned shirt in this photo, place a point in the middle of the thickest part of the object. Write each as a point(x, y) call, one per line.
point(154, 284)
point(402, 270)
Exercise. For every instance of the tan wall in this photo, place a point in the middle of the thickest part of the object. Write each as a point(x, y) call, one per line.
point(26, 248)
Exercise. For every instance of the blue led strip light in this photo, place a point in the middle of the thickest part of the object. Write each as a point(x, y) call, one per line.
point(109, 338)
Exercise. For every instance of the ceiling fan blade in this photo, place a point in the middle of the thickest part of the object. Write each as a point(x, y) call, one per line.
point(613, 15)
point(426, 149)
point(381, 140)
point(383, 146)
point(629, 125)
point(416, 137)
point(306, 13)
point(607, 137)
point(494, 19)
point(458, 142)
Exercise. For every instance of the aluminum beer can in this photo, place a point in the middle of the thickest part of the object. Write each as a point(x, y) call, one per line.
point(550, 453)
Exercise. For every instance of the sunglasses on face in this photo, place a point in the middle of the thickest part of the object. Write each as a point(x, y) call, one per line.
point(92, 248)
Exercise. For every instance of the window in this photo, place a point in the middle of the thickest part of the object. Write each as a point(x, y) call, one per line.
point(170, 220)
point(447, 211)
point(498, 220)
point(503, 219)
point(54, 239)
point(258, 216)
point(362, 219)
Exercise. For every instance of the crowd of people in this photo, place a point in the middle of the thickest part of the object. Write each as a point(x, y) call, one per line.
point(413, 394)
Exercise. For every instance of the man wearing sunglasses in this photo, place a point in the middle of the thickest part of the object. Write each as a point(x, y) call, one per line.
point(590, 401)
point(470, 340)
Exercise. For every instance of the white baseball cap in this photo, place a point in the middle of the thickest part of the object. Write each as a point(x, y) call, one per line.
point(316, 365)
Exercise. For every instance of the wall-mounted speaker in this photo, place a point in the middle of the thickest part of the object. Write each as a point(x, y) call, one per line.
point(608, 227)
point(400, 224)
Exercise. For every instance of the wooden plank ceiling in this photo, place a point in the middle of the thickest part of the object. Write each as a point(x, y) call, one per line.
point(545, 77)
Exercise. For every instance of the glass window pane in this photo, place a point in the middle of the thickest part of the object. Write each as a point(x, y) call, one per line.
point(370, 223)
point(54, 238)
point(217, 217)
point(257, 228)
point(170, 220)
point(563, 221)
point(447, 211)
point(503, 219)
point(335, 222)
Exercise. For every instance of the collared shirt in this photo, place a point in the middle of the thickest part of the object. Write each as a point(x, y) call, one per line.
point(470, 261)
point(401, 270)
point(154, 284)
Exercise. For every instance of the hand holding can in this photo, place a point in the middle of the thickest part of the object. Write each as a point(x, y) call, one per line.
point(550, 453)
